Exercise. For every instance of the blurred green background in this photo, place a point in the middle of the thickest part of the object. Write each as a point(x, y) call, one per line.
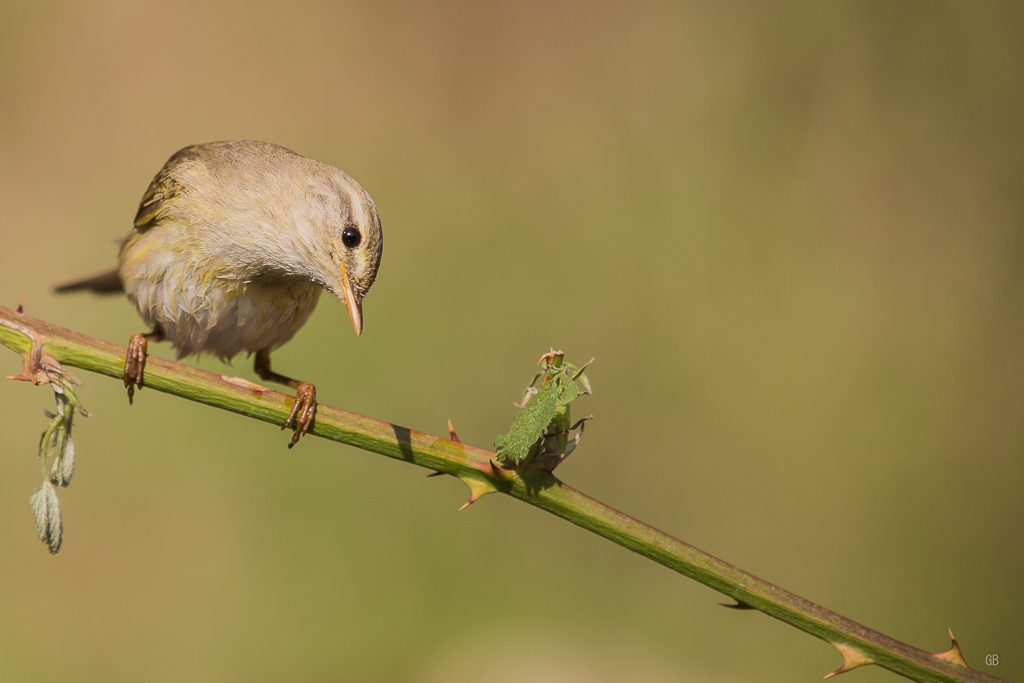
point(790, 233)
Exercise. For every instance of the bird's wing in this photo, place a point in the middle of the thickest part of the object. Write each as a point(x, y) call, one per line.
point(153, 206)
point(163, 190)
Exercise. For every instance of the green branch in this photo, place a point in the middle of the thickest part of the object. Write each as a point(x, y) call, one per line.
point(45, 346)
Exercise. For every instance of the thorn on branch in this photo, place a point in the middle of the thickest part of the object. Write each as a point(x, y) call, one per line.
point(478, 488)
point(499, 471)
point(852, 659)
point(953, 655)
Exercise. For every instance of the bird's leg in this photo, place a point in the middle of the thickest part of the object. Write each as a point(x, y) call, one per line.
point(304, 409)
point(135, 360)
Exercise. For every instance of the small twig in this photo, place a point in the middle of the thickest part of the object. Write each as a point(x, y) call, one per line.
point(858, 644)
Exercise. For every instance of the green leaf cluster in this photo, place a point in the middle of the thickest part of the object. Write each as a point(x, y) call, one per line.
point(544, 414)
point(58, 444)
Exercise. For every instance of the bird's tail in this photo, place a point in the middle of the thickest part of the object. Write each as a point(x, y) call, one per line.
point(102, 283)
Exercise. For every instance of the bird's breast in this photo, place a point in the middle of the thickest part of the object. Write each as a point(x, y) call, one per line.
point(200, 310)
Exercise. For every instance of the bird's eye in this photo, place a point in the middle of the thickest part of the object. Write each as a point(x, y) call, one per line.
point(351, 237)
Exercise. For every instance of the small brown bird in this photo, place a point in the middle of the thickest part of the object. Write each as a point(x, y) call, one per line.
point(232, 245)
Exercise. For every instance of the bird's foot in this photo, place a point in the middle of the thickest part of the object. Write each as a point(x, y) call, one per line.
point(135, 363)
point(303, 411)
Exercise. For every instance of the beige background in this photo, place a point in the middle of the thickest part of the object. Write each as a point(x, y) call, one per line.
point(792, 237)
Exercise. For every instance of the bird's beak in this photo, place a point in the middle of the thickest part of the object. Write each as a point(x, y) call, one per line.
point(355, 309)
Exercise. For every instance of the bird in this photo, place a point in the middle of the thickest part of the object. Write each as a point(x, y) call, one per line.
point(232, 245)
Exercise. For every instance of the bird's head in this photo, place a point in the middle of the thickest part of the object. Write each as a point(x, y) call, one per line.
point(354, 246)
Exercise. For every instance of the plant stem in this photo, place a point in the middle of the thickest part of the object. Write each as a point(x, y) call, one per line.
point(34, 339)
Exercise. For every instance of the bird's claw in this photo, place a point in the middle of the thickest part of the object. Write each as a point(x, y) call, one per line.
point(134, 364)
point(303, 411)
